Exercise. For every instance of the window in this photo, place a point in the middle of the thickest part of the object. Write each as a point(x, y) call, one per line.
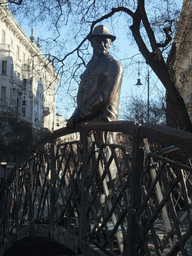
point(14, 94)
point(11, 96)
point(3, 37)
point(17, 52)
point(3, 95)
point(23, 58)
point(11, 70)
point(24, 83)
point(23, 111)
point(4, 67)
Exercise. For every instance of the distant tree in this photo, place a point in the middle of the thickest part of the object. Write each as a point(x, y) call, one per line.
point(151, 23)
point(136, 109)
point(16, 137)
point(16, 134)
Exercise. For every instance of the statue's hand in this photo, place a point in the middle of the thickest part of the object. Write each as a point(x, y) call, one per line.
point(77, 117)
point(71, 122)
point(74, 120)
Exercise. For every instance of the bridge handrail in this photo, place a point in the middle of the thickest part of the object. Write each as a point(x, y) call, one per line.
point(55, 171)
point(158, 132)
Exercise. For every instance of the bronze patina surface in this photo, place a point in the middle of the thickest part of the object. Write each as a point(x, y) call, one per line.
point(99, 90)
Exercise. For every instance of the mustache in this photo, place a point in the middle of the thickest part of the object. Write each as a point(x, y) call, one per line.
point(102, 47)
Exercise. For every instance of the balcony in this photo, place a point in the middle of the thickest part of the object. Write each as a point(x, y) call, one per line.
point(5, 47)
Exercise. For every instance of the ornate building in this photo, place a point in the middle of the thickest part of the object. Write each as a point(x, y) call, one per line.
point(27, 78)
point(27, 89)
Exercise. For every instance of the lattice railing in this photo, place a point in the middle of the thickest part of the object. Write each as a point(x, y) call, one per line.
point(107, 199)
point(133, 200)
point(166, 207)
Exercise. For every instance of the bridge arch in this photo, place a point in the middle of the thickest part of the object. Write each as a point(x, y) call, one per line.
point(38, 246)
point(41, 239)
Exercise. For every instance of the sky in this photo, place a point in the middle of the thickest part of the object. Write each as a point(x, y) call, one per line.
point(124, 50)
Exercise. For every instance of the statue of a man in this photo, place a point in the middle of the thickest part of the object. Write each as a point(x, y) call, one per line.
point(99, 91)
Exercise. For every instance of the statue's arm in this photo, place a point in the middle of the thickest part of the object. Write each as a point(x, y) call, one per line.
point(76, 117)
point(104, 93)
point(114, 84)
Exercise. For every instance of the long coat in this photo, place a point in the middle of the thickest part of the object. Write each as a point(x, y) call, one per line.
point(99, 91)
point(98, 100)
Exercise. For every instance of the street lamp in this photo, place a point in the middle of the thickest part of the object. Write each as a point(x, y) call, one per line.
point(138, 79)
point(148, 95)
point(3, 165)
point(139, 83)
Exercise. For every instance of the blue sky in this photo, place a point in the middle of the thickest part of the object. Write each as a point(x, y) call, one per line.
point(123, 49)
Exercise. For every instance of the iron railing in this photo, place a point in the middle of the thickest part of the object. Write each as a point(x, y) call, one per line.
point(145, 210)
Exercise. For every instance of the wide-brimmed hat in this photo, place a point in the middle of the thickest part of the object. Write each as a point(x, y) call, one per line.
point(101, 30)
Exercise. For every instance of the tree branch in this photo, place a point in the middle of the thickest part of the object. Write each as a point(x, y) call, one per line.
point(19, 2)
point(168, 38)
point(141, 11)
point(154, 59)
point(114, 10)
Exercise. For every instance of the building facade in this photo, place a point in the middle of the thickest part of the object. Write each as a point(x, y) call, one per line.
point(28, 83)
point(27, 78)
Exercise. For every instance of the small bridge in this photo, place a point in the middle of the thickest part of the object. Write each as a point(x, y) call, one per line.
point(63, 193)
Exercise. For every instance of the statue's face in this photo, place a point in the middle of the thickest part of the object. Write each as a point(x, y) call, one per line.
point(100, 45)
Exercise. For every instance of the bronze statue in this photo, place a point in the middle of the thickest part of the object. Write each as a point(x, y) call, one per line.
point(99, 91)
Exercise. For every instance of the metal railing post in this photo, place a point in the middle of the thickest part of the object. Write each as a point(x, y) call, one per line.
point(17, 196)
point(53, 179)
point(84, 222)
point(133, 231)
point(31, 215)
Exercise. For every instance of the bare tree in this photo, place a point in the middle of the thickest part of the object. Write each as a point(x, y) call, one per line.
point(152, 29)
point(138, 110)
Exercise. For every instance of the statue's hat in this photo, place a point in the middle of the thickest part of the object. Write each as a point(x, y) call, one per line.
point(101, 30)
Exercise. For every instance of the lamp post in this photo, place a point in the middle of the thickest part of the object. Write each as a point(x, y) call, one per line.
point(10, 166)
point(3, 165)
point(148, 95)
point(139, 83)
point(138, 79)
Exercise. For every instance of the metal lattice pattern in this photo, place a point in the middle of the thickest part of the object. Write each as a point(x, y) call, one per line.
point(43, 189)
point(166, 210)
point(145, 210)
point(108, 199)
